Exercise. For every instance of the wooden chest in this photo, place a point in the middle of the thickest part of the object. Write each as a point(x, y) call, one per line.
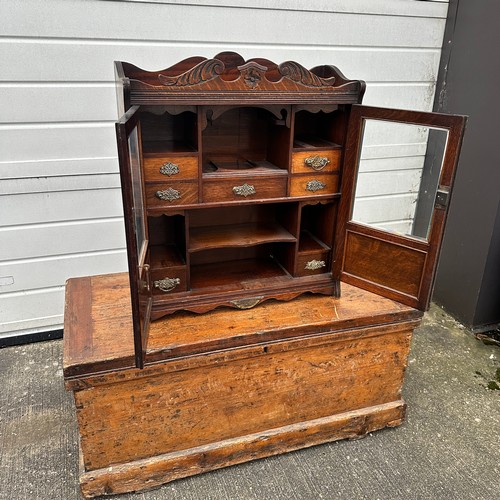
point(228, 386)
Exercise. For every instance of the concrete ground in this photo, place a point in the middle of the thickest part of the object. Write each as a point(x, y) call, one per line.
point(448, 447)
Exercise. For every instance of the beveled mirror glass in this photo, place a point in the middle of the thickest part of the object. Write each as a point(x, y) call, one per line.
point(398, 176)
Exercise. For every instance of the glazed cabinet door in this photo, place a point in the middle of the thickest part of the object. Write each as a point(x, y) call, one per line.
point(398, 172)
point(128, 134)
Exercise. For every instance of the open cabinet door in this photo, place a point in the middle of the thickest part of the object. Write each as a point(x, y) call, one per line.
point(398, 171)
point(128, 135)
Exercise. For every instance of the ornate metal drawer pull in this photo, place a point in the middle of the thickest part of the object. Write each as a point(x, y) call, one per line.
point(169, 194)
point(245, 190)
point(167, 284)
point(312, 265)
point(247, 303)
point(317, 162)
point(315, 185)
point(169, 169)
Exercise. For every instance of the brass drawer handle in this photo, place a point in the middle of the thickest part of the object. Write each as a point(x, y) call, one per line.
point(316, 162)
point(167, 284)
point(312, 265)
point(315, 185)
point(245, 190)
point(169, 169)
point(169, 194)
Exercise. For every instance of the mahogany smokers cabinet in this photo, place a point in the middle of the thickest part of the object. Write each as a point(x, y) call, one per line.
point(270, 300)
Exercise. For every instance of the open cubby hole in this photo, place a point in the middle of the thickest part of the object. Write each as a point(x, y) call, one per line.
point(317, 227)
point(169, 133)
point(321, 130)
point(246, 138)
point(167, 244)
point(239, 268)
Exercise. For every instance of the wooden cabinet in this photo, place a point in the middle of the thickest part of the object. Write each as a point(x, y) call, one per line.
point(239, 185)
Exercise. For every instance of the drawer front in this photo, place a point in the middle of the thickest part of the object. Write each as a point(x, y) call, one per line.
point(243, 189)
point(315, 161)
point(170, 167)
point(311, 263)
point(165, 281)
point(314, 185)
point(173, 193)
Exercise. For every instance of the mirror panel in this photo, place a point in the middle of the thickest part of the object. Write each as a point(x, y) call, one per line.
point(398, 176)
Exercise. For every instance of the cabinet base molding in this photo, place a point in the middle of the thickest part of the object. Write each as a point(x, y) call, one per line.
point(153, 472)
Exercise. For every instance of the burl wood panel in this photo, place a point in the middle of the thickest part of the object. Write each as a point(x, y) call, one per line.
point(155, 471)
point(391, 265)
point(158, 414)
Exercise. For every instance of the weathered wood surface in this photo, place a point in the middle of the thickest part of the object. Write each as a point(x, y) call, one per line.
point(98, 337)
point(202, 403)
point(152, 472)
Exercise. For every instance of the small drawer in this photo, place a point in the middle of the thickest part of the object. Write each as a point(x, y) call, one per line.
point(314, 185)
point(243, 189)
point(309, 264)
point(316, 161)
point(166, 280)
point(174, 193)
point(170, 167)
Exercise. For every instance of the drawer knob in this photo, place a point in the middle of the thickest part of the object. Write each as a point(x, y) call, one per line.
point(167, 284)
point(315, 185)
point(316, 162)
point(169, 169)
point(169, 194)
point(245, 190)
point(312, 265)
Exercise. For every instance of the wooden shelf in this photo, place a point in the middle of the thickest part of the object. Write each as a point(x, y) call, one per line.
point(312, 143)
point(223, 168)
point(236, 275)
point(237, 235)
point(309, 243)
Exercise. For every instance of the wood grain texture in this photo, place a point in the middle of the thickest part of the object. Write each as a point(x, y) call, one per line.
point(183, 333)
point(187, 168)
point(217, 190)
point(300, 167)
point(151, 472)
point(120, 422)
point(187, 194)
point(300, 185)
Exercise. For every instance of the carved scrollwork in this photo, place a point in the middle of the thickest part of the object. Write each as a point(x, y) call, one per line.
point(252, 73)
point(202, 72)
point(168, 194)
point(315, 185)
point(297, 73)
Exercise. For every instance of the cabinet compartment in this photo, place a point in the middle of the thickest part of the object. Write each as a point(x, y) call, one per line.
point(241, 188)
point(240, 138)
point(164, 195)
point(314, 185)
point(167, 254)
point(322, 130)
point(168, 132)
point(321, 160)
point(317, 227)
point(169, 167)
